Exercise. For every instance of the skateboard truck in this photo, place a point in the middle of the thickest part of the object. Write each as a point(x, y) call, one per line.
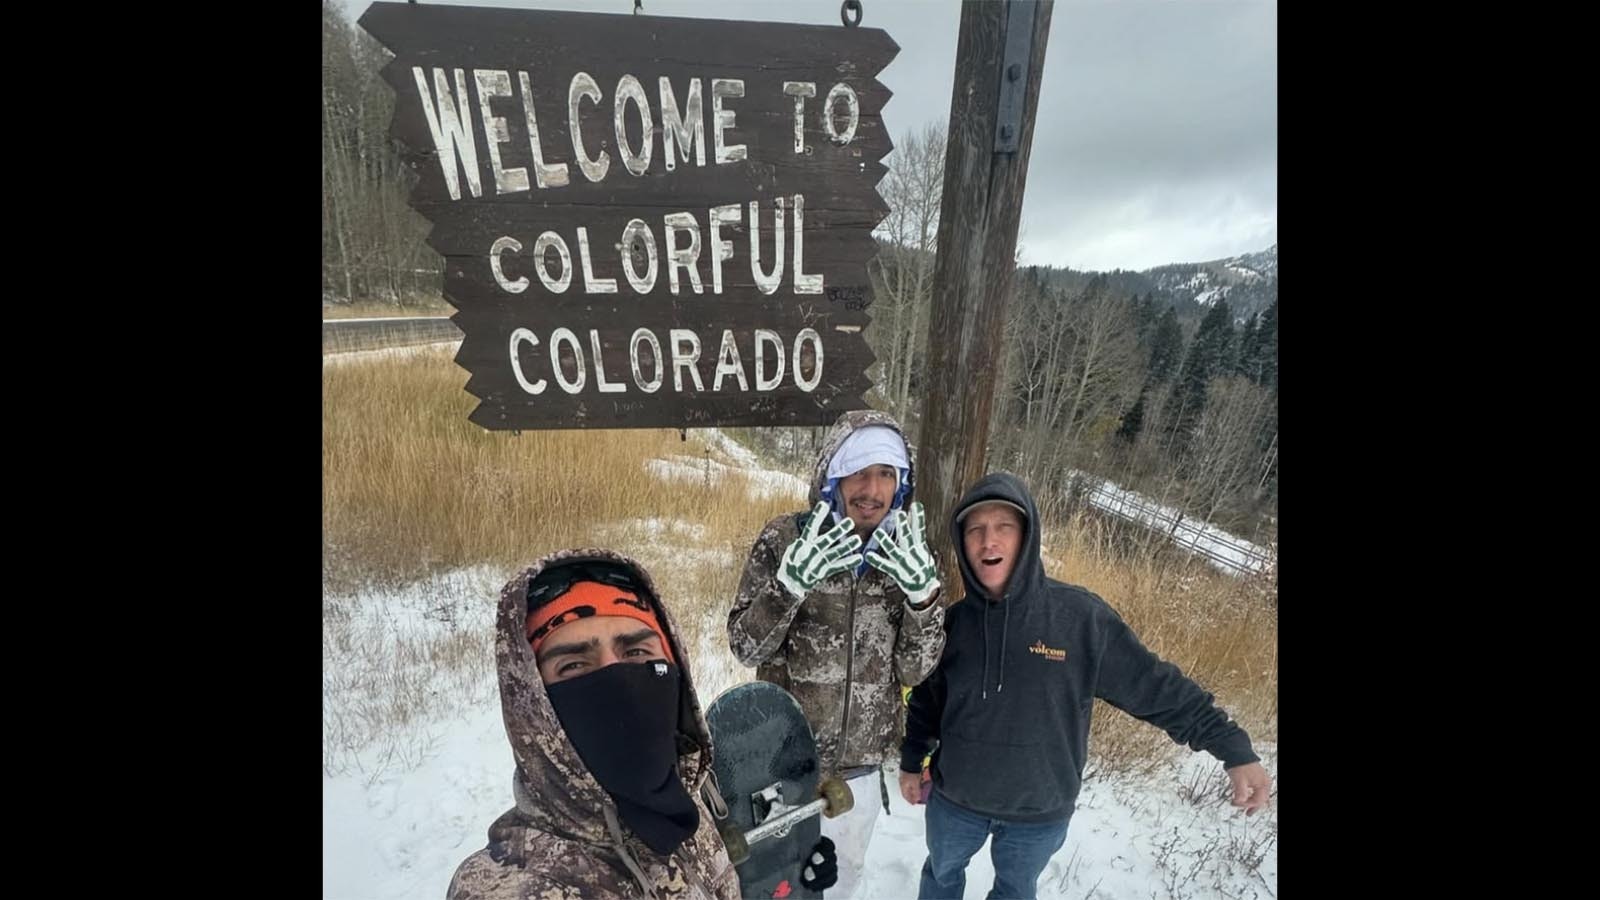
point(773, 817)
point(768, 803)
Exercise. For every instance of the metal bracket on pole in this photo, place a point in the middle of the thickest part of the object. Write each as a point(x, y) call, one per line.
point(1014, 67)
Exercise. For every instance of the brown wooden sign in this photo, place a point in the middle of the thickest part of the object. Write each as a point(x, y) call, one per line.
point(646, 221)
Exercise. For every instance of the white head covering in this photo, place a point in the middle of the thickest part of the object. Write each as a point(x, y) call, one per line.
point(874, 445)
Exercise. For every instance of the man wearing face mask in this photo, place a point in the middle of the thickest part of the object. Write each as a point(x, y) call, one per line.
point(839, 606)
point(610, 743)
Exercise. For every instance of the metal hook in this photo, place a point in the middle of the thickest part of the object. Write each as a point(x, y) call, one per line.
point(848, 7)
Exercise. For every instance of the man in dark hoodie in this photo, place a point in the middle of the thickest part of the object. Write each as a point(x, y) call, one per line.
point(610, 744)
point(1010, 762)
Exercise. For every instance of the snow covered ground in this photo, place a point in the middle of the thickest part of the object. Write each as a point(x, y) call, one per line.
point(416, 763)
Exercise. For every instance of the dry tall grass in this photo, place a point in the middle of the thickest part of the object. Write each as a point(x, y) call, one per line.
point(1220, 630)
point(410, 487)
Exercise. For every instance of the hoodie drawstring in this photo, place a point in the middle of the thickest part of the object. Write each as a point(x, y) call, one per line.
point(711, 793)
point(1005, 625)
point(985, 682)
point(627, 858)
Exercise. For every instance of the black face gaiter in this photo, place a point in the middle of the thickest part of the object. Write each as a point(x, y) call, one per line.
point(623, 720)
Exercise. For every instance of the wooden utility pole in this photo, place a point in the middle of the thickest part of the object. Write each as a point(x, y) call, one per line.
point(999, 63)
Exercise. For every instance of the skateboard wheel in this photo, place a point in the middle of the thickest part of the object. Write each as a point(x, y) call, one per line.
point(837, 793)
point(733, 839)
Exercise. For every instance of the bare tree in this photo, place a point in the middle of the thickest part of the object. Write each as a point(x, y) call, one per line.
point(902, 274)
point(373, 242)
point(1104, 366)
point(1073, 365)
point(1225, 457)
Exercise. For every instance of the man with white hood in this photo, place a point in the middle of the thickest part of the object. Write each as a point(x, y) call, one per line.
point(840, 607)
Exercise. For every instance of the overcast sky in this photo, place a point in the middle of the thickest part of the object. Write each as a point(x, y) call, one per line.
point(1156, 139)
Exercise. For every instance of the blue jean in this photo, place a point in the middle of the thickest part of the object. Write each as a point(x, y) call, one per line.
point(1019, 852)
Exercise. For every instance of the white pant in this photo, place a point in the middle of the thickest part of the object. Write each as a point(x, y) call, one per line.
point(851, 832)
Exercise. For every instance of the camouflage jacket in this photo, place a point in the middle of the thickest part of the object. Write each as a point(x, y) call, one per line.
point(563, 839)
point(851, 637)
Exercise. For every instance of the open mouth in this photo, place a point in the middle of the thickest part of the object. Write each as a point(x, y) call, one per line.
point(992, 560)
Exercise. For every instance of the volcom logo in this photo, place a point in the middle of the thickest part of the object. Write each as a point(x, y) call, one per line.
point(1047, 652)
point(661, 668)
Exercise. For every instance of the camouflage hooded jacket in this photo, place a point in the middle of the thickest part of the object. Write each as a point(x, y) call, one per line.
point(564, 839)
point(852, 636)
